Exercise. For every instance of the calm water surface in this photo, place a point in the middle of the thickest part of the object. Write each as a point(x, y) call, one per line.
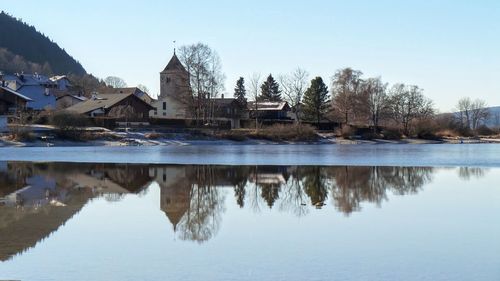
point(75, 221)
point(484, 155)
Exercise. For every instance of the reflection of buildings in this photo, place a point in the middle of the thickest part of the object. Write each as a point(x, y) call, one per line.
point(175, 191)
point(36, 199)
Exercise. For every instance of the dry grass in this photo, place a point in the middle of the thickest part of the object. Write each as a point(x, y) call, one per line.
point(447, 133)
point(278, 132)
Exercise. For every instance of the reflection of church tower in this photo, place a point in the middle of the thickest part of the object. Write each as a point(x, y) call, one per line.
point(175, 202)
point(175, 91)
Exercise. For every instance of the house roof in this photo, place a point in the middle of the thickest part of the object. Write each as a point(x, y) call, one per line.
point(268, 105)
point(174, 64)
point(222, 101)
point(58, 77)
point(130, 90)
point(101, 101)
point(80, 98)
point(16, 93)
point(29, 79)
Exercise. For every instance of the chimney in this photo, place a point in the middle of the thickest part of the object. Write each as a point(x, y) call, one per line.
point(222, 96)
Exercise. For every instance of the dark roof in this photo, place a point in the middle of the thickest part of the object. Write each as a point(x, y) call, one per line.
point(174, 64)
point(103, 101)
point(128, 91)
point(222, 101)
point(8, 90)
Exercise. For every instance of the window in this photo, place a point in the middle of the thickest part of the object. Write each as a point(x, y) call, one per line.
point(168, 79)
point(164, 105)
point(164, 114)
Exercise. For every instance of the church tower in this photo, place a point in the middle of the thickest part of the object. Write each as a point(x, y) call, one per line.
point(175, 91)
point(174, 79)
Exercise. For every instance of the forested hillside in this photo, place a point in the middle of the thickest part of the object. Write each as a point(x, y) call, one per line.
point(23, 48)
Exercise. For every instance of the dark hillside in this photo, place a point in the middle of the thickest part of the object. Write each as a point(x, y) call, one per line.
point(23, 48)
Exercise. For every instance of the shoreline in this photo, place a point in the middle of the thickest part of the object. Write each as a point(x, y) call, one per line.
point(139, 140)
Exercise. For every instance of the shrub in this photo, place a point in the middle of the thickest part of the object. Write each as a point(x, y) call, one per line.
point(347, 132)
point(67, 120)
point(485, 131)
point(281, 132)
point(369, 136)
point(234, 135)
point(391, 134)
point(447, 133)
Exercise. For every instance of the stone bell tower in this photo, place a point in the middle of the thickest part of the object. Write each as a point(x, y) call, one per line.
point(175, 98)
point(174, 80)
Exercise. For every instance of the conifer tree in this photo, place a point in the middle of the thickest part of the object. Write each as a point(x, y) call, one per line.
point(270, 90)
point(240, 92)
point(316, 100)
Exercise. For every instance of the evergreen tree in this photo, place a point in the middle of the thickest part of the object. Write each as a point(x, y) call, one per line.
point(316, 100)
point(270, 90)
point(240, 92)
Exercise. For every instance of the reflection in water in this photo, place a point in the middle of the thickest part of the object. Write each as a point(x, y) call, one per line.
point(37, 198)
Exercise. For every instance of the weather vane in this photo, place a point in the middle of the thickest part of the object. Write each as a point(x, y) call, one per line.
point(174, 46)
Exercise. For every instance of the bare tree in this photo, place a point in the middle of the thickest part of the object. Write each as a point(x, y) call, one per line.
point(479, 113)
point(207, 79)
point(254, 87)
point(375, 99)
point(464, 108)
point(346, 87)
point(294, 85)
point(408, 104)
point(115, 82)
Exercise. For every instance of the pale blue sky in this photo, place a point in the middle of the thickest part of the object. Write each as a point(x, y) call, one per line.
point(449, 48)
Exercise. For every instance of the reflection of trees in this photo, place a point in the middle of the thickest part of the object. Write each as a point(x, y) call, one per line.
point(347, 186)
point(202, 219)
point(354, 185)
point(193, 198)
point(467, 173)
point(315, 185)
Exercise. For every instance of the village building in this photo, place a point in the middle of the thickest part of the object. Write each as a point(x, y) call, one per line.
point(230, 111)
point(126, 106)
point(269, 110)
point(39, 88)
point(175, 98)
point(68, 99)
point(130, 90)
point(11, 102)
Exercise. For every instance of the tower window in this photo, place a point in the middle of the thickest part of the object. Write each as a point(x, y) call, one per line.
point(168, 79)
point(164, 105)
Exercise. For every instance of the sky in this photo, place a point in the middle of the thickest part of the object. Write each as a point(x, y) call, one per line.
point(450, 48)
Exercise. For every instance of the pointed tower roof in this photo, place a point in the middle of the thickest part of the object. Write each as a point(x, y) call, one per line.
point(174, 64)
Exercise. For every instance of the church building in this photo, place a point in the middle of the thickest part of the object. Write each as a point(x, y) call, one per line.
point(175, 98)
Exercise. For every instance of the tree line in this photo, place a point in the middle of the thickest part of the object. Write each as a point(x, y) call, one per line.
point(347, 97)
point(350, 100)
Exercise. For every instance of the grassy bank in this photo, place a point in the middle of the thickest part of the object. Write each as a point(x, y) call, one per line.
point(278, 132)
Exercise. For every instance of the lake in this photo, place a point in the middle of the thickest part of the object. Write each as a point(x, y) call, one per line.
point(478, 155)
point(111, 220)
